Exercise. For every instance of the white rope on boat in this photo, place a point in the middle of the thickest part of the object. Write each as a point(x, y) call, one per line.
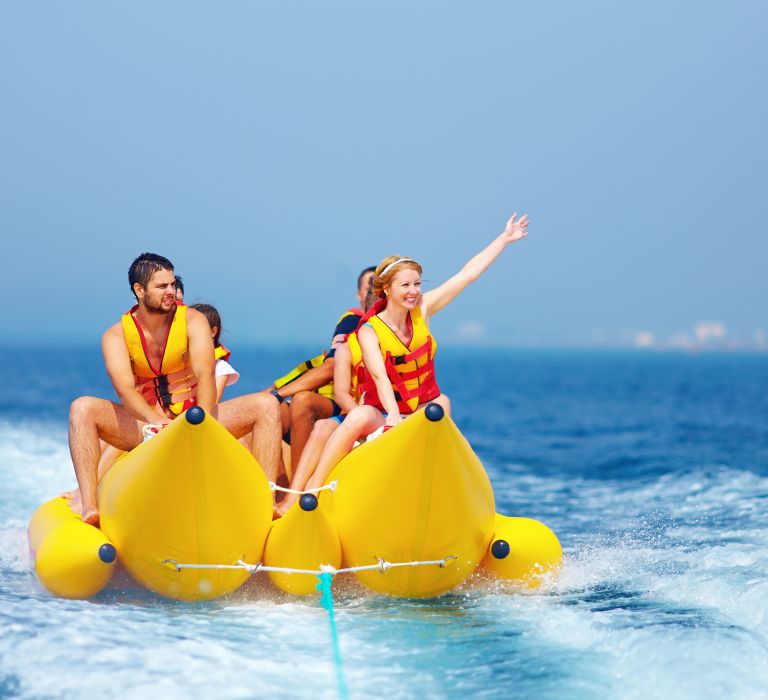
point(381, 566)
point(328, 487)
point(150, 430)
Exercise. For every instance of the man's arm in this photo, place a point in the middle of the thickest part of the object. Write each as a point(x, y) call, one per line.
point(309, 381)
point(118, 364)
point(201, 358)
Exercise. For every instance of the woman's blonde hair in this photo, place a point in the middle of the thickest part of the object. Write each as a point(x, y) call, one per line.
point(386, 271)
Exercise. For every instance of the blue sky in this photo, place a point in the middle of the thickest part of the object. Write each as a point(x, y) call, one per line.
point(271, 150)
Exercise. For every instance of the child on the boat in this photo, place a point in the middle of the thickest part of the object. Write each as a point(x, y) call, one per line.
point(225, 374)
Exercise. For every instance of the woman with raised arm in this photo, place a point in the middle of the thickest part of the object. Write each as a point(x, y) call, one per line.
point(398, 348)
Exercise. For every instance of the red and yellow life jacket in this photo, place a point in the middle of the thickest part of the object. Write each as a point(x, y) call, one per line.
point(172, 385)
point(410, 368)
point(221, 353)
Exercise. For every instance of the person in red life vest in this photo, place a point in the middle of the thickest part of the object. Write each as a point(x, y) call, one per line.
point(160, 359)
point(309, 388)
point(398, 349)
point(224, 373)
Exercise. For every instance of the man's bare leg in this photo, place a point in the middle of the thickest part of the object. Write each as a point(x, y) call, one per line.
point(258, 414)
point(90, 419)
point(307, 407)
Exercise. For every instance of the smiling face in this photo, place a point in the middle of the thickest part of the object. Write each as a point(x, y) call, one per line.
point(159, 296)
point(405, 289)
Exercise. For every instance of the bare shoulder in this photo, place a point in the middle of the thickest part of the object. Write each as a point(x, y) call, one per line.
point(196, 322)
point(366, 333)
point(194, 316)
point(113, 333)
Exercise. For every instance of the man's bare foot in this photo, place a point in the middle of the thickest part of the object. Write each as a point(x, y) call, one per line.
point(91, 517)
point(69, 495)
point(75, 503)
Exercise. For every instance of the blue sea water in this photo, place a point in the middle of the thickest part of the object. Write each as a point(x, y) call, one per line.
point(651, 468)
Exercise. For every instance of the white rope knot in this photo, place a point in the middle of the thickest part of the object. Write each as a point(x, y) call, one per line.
point(384, 565)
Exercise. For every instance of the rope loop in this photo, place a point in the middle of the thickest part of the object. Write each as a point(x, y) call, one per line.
point(327, 487)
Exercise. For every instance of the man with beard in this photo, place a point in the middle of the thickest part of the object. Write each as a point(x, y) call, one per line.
point(160, 359)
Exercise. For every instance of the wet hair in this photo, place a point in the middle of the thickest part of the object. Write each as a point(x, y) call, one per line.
point(180, 283)
point(364, 273)
point(214, 319)
point(142, 269)
point(386, 271)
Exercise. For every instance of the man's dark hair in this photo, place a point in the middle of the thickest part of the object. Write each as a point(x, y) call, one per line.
point(180, 283)
point(142, 269)
point(214, 319)
point(364, 273)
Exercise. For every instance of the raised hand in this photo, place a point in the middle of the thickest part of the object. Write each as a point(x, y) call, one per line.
point(515, 229)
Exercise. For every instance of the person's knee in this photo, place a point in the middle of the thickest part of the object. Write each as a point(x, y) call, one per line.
point(324, 428)
point(82, 409)
point(301, 402)
point(359, 418)
point(445, 402)
point(310, 405)
point(263, 408)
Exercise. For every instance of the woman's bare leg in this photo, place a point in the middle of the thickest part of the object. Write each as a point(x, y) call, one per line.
point(361, 421)
point(321, 432)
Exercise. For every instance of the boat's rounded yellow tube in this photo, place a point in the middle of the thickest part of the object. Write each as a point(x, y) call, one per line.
point(191, 494)
point(304, 538)
point(523, 550)
point(75, 560)
point(416, 493)
point(48, 516)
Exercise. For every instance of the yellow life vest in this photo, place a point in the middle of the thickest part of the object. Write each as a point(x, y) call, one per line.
point(358, 370)
point(221, 353)
point(313, 362)
point(410, 368)
point(172, 385)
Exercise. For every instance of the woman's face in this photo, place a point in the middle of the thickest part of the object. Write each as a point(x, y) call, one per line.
point(405, 289)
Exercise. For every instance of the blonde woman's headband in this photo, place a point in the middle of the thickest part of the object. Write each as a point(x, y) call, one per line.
point(392, 264)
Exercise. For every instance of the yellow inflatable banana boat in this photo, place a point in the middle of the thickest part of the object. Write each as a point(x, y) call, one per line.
point(189, 514)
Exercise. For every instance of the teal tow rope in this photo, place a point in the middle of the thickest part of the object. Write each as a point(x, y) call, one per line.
point(326, 600)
